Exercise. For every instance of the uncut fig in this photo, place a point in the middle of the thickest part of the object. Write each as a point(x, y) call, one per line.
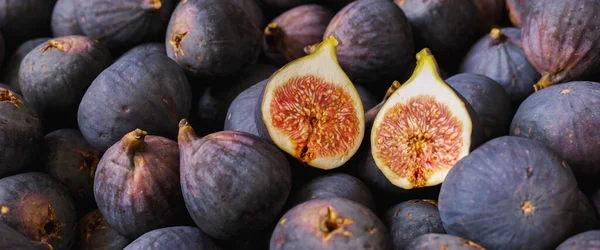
point(335, 185)
point(253, 9)
point(10, 69)
point(334, 223)
point(14, 240)
point(500, 56)
point(148, 48)
point(136, 185)
point(96, 234)
point(517, 10)
point(40, 207)
point(411, 219)
point(180, 237)
point(510, 193)
point(64, 21)
point(25, 20)
point(586, 219)
point(589, 240)
point(560, 40)
point(312, 111)
point(489, 13)
point(249, 181)
point(286, 36)
point(423, 128)
point(437, 241)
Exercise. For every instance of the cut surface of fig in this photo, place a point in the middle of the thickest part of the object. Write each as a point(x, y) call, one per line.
point(422, 129)
point(312, 111)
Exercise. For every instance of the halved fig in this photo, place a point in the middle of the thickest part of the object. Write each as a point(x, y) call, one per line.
point(423, 128)
point(312, 111)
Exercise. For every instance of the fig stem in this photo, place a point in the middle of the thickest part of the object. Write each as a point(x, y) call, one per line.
point(395, 85)
point(133, 141)
point(275, 37)
point(497, 36)
point(186, 132)
point(549, 79)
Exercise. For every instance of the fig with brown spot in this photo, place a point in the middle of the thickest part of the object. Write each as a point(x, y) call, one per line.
point(95, 233)
point(12, 239)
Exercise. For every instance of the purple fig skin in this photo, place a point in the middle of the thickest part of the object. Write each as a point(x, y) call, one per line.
point(516, 11)
point(249, 179)
point(63, 20)
point(10, 70)
point(589, 240)
point(181, 237)
point(24, 20)
point(137, 184)
point(334, 223)
point(560, 39)
point(286, 36)
point(12, 239)
point(410, 219)
point(335, 185)
point(252, 8)
point(434, 241)
point(489, 13)
point(587, 219)
point(96, 234)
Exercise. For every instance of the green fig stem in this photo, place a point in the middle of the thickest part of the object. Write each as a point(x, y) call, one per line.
point(395, 85)
point(133, 141)
point(152, 4)
point(549, 79)
point(275, 37)
point(186, 132)
point(497, 36)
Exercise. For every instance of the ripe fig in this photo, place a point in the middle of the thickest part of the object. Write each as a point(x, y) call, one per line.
point(64, 21)
point(180, 237)
point(40, 207)
point(437, 241)
point(152, 47)
point(249, 179)
point(334, 223)
point(586, 219)
point(25, 20)
point(10, 69)
point(96, 234)
point(516, 11)
point(286, 36)
point(500, 56)
point(489, 13)
point(589, 240)
point(335, 185)
point(489, 100)
point(312, 111)
point(14, 240)
point(137, 184)
point(510, 193)
point(560, 40)
point(423, 129)
point(411, 219)
point(253, 9)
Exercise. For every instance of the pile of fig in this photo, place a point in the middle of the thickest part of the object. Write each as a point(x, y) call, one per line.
point(300, 124)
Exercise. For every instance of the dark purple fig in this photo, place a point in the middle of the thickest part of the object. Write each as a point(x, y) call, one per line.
point(55, 75)
point(10, 70)
point(500, 56)
point(410, 219)
point(589, 240)
point(595, 199)
point(560, 40)
point(69, 158)
point(149, 48)
point(286, 36)
point(25, 20)
point(516, 10)
point(249, 179)
point(137, 184)
point(64, 21)
point(489, 100)
point(587, 219)
point(335, 185)
point(489, 13)
point(253, 9)
point(334, 223)
point(375, 42)
point(146, 90)
point(40, 207)
point(123, 23)
point(437, 241)
point(14, 240)
point(565, 118)
point(510, 193)
point(180, 237)
point(204, 47)
point(21, 131)
point(96, 234)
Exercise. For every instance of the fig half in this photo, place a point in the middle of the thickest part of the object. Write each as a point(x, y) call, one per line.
point(423, 128)
point(312, 111)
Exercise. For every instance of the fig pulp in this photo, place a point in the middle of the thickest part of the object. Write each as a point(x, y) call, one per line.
point(168, 238)
point(64, 22)
point(12, 239)
point(437, 241)
point(95, 234)
point(411, 219)
point(10, 69)
point(560, 40)
point(311, 110)
point(423, 129)
point(335, 185)
point(589, 240)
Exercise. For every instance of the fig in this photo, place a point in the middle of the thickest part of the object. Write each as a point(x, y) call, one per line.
point(489, 13)
point(152, 47)
point(64, 21)
point(12, 239)
point(25, 20)
point(559, 39)
point(40, 207)
point(249, 179)
point(589, 240)
point(253, 9)
point(286, 36)
point(285, 4)
point(136, 185)
point(436, 241)
point(55, 75)
point(21, 131)
point(571, 129)
point(10, 69)
point(334, 223)
point(500, 56)
point(489, 100)
point(423, 129)
point(204, 47)
point(516, 11)
point(335, 185)
point(411, 219)
point(311, 110)
point(180, 237)
point(586, 219)
point(510, 193)
point(375, 42)
point(95, 234)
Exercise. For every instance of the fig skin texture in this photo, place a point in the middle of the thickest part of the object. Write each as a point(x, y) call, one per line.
point(179, 237)
point(253, 9)
point(410, 219)
point(69, 158)
point(589, 240)
point(204, 47)
point(375, 42)
point(10, 69)
point(25, 20)
point(96, 234)
point(517, 10)
point(572, 128)
point(137, 184)
point(55, 75)
point(249, 179)
point(21, 131)
point(500, 56)
point(334, 223)
point(335, 185)
point(510, 193)
point(145, 90)
point(152, 47)
point(12, 239)
point(286, 36)
point(489, 100)
point(64, 21)
point(436, 241)
point(560, 40)
point(121, 24)
point(40, 207)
